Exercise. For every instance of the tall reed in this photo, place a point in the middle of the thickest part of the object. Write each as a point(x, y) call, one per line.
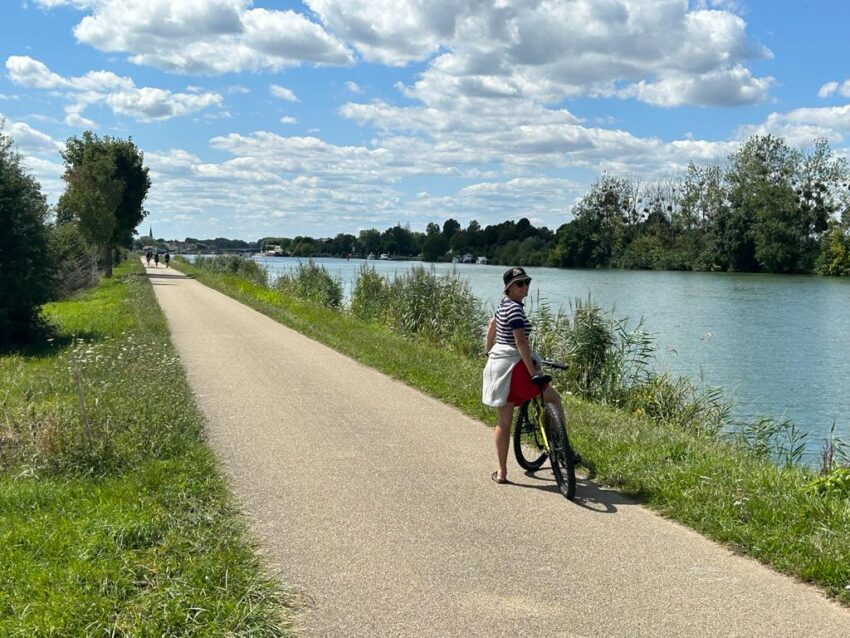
point(234, 265)
point(311, 282)
point(439, 309)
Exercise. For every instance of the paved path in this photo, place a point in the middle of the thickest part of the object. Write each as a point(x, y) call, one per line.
point(376, 502)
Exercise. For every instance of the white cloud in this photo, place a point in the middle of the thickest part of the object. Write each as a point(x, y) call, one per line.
point(40, 155)
point(801, 126)
point(286, 119)
point(728, 87)
point(119, 93)
point(30, 140)
point(353, 87)
point(547, 51)
point(830, 88)
point(283, 93)
point(205, 36)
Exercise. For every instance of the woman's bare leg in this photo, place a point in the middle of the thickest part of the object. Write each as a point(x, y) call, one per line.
point(502, 437)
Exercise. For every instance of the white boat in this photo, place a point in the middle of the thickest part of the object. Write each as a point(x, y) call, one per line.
point(384, 256)
point(481, 260)
point(468, 259)
point(370, 256)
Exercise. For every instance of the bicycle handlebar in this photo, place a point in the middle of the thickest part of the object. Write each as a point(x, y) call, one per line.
point(554, 364)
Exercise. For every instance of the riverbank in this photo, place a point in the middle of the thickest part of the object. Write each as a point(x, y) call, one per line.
point(114, 518)
point(747, 503)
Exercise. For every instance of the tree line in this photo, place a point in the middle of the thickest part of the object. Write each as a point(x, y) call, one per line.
point(771, 208)
point(44, 250)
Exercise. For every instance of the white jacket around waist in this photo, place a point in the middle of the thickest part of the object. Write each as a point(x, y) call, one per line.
point(497, 374)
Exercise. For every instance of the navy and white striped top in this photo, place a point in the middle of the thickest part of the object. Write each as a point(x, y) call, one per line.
point(509, 315)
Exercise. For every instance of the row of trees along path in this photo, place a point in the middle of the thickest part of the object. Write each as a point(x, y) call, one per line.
point(45, 256)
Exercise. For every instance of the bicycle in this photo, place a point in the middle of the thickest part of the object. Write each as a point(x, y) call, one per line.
point(539, 433)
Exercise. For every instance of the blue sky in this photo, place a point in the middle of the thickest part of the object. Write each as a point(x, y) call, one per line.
point(285, 118)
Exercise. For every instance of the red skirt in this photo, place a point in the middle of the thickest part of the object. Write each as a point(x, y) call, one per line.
point(522, 388)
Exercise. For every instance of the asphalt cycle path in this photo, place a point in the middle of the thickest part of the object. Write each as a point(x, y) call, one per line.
point(375, 502)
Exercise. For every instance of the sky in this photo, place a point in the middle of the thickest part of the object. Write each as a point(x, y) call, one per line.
point(272, 118)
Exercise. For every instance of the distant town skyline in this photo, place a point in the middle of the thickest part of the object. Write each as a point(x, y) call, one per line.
point(286, 118)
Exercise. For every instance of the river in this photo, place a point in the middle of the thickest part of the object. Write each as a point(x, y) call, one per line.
point(778, 345)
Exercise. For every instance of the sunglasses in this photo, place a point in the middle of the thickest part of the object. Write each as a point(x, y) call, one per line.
point(522, 283)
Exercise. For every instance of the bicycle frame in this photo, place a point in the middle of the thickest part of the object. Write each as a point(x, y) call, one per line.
point(551, 438)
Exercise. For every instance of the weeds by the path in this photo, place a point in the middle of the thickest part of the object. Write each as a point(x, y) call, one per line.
point(114, 519)
point(780, 515)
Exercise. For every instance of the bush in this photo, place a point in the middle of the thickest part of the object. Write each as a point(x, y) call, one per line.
point(311, 283)
point(442, 309)
point(368, 297)
point(234, 265)
point(611, 362)
point(74, 261)
point(25, 273)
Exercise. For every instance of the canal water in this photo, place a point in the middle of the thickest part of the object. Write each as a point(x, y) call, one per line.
point(778, 345)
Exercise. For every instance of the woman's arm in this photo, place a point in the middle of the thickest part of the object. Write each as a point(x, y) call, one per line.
point(491, 335)
point(524, 350)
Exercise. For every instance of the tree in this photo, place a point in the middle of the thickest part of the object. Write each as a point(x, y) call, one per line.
point(435, 244)
point(834, 257)
point(25, 272)
point(598, 231)
point(107, 183)
point(821, 191)
point(755, 233)
point(369, 242)
point(450, 227)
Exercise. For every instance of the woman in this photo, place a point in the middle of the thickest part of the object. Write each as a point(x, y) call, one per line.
point(511, 365)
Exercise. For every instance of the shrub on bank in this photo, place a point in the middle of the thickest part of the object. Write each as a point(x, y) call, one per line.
point(419, 303)
point(311, 282)
point(613, 363)
point(234, 265)
point(369, 296)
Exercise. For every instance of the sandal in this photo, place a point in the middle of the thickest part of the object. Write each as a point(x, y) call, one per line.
point(495, 478)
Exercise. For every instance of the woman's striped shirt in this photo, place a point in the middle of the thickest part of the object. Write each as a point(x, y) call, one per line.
point(509, 315)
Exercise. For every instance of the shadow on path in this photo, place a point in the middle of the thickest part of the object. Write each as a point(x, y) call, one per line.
point(588, 495)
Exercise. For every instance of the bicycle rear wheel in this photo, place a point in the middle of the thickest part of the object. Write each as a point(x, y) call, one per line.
point(562, 457)
point(528, 445)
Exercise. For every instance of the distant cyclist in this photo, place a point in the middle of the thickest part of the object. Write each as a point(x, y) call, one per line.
point(511, 365)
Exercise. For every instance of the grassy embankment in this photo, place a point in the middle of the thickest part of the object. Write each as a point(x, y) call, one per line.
point(114, 519)
point(746, 502)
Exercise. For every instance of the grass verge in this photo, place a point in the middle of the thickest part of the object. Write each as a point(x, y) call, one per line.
point(115, 521)
point(748, 503)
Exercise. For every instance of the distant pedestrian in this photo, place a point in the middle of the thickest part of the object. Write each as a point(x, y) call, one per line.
point(167, 259)
point(148, 258)
point(156, 260)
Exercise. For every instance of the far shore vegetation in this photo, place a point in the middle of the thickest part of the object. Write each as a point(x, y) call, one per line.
point(771, 208)
point(663, 440)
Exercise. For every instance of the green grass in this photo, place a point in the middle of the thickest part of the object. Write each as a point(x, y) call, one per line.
point(745, 502)
point(123, 526)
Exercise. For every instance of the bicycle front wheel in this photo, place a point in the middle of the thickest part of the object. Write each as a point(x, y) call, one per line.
point(528, 444)
point(563, 460)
